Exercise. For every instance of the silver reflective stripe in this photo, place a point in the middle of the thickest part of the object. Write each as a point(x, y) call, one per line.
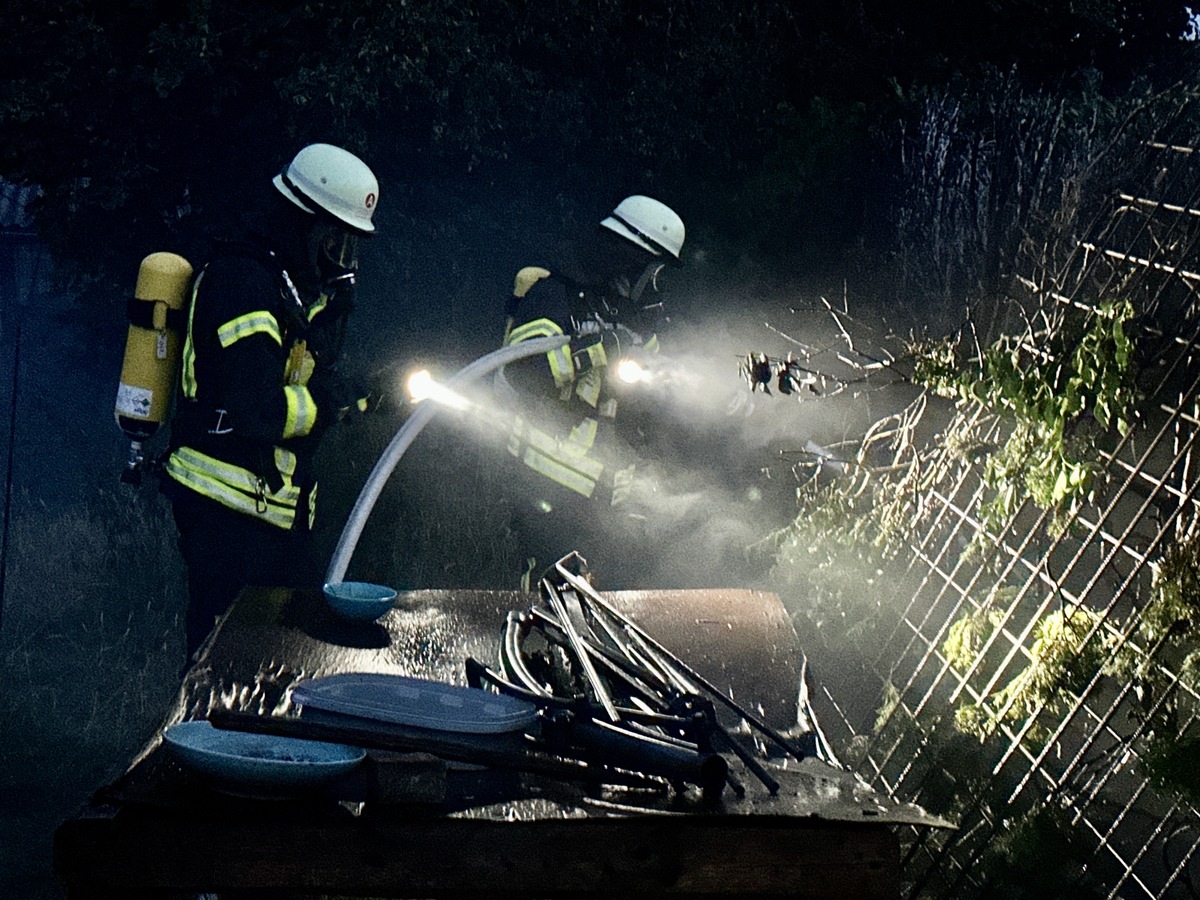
point(535, 329)
point(189, 348)
point(562, 367)
point(582, 439)
point(258, 322)
point(588, 385)
point(557, 472)
point(235, 487)
point(565, 462)
point(301, 411)
point(285, 463)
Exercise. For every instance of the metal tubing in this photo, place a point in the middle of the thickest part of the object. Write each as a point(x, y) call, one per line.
point(615, 746)
point(585, 659)
point(477, 673)
point(510, 655)
point(591, 593)
point(615, 663)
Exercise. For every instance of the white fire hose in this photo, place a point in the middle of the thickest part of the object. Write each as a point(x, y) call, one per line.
point(407, 433)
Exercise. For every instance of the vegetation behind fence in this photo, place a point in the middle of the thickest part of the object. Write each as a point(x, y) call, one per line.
point(1030, 534)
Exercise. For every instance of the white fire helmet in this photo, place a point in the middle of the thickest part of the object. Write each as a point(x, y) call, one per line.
point(652, 225)
point(334, 180)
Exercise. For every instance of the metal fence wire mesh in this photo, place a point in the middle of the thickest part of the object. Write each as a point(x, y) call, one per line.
point(1043, 653)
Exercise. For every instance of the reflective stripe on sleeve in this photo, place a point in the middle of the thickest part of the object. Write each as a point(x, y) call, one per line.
point(301, 411)
point(562, 367)
point(317, 307)
point(535, 329)
point(596, 355)
point(258, 322)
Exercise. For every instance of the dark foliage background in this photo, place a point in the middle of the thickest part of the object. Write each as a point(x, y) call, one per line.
point(776, 122)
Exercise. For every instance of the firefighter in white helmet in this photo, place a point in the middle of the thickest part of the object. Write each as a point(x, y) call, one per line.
point(608, 302)
point(259, 382)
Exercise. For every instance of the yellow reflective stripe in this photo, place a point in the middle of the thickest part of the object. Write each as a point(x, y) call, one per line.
point(301, 411)
point(243, 479)
point(189, 348)
point(312, 507)
point(234, 487)
point(300, 364)
point(535, 329)
point(559, 473)
point(596, 354)
point(588, 385)
point(320, 303)
point(565, 453)
point(285, 464)
point(582, 439)
point(564, 462)
point(258, 322)
point(651, 345)
point(562, 367)
point(280, 517)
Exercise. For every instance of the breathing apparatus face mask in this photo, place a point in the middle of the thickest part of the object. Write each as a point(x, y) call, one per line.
point(629, 298)
point(644, 309)
point(337, 258)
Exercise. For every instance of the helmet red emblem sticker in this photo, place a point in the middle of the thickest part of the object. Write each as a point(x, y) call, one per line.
point(370, 201)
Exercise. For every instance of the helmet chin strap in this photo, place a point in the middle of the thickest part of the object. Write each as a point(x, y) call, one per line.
point(649, 276)
point(628, 298)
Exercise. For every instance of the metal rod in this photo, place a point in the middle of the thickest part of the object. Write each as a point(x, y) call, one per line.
point(630, 672)
point(583, 587)
point(585, 659)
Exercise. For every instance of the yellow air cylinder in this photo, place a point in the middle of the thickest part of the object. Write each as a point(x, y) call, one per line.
point(152, 350)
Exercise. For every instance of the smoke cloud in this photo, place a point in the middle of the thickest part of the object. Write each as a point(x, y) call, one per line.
point(716, 465)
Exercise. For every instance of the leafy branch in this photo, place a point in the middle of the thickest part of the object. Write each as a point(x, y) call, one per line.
point(1058, 386)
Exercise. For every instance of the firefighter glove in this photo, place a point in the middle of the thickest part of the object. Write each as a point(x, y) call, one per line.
point(338, 398)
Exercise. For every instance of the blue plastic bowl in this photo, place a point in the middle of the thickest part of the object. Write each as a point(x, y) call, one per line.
point(359, 601)
point(258, 765)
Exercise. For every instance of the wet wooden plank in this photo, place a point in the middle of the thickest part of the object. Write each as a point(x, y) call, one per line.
point(677, 856)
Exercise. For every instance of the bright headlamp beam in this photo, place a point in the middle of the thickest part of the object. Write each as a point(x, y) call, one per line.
point(422, 386)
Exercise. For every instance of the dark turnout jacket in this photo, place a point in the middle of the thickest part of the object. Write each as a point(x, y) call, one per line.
point(252, 408)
